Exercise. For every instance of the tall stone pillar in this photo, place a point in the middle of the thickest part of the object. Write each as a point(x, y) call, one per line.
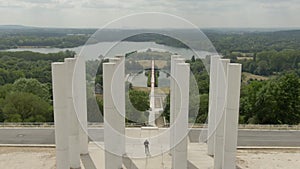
point(219, 115)
point(172, 82)
point(114, 112)
point(81, 103)
point(74, 147)
point(212, 104)
point(173, 85)
point(118, 87)
point(60, 115)
point(182, 77)
point(231, 115)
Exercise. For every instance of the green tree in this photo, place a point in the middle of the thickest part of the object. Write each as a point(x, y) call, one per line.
point(3, 76)
point(26, 107)
point(139, 99)
point(249, 95)
point(166, 112)
point(94, 105)
point(203, 109)
point(289, 98)
point(32, 86)
point(276, 101)
point(262, 68)
point(193, 58)
point(136, 106)
point(279, 101)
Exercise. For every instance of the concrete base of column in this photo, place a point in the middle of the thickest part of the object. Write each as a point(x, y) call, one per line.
point(179, 156)
point(83, 142)
point(60, 156)
point(113, 161)
point(228, 162)
point(74, 152)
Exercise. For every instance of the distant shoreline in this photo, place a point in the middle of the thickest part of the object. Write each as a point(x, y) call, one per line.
point(32, 47)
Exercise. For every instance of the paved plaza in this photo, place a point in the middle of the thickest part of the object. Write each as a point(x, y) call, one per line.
point(44, 157)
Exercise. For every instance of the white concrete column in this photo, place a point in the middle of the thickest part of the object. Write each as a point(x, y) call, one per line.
point(173, 57)
point(74, 147)
point(81, 103)
point(231, 115)
point(114, 120)
point(212, 104)
point(182, 76)
point(118, 87)
point(60, 115)
point(173, 85)
point(219, 115)
point(151, 118)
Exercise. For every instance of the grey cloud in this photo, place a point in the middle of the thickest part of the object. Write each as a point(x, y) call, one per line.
point(201, 12)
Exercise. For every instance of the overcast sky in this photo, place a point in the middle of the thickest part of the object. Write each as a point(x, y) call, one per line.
point(202, 13)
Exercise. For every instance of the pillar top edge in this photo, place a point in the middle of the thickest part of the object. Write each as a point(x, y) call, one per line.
point(69, 59)
point(114, 59)
point(176, 55)
point(234, 64)
point(109, 63)
point(216, 56)
point(183, 64)
point(58, 63)
point(179, 59)
point(225, 60)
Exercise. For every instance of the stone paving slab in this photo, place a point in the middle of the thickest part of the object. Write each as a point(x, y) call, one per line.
point(197, 158)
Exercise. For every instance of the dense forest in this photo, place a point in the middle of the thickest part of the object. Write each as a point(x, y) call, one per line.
point(25, 86)
point(18, 36)
point(272, 101)
point(254, 42)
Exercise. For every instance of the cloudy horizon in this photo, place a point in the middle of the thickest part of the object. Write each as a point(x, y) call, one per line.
point(202, 13)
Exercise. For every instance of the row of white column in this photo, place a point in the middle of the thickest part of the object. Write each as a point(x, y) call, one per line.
point(71, 141)
point(179, 106)
point(114, 111)
point(225, 81)
point(70, 127)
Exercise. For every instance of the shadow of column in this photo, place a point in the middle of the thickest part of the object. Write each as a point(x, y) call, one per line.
point(87, 162)
point(191, 165)
point(128, 163)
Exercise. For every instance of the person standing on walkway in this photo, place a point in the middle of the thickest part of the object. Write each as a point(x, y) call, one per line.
point(146, 144)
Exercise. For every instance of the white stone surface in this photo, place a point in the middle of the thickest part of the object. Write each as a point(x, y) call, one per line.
point(231, 115)
point(173, 85)
point(114, 112)
point(219, 115)
point(212, 104)
point(173, 57)
point(74, 147)
point(182, 76)
point(60, 115)
point(151, 119)
point(118, 94)
point(79, 91)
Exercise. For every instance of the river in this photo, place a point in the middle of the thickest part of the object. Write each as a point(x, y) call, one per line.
point(110, 49)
